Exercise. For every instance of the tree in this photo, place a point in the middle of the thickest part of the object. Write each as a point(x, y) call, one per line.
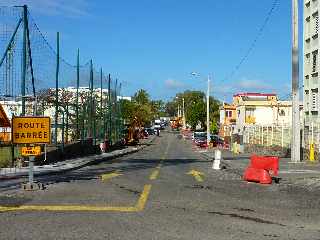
point(141, 110)
point(141, 97)
point(195, 108)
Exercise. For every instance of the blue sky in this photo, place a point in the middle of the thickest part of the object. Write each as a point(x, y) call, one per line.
point(155, 45)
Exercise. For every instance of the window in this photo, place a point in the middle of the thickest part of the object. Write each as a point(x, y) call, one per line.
point(307, 62)
point(314, 100)
point(314, 60)
point(282, 113)
point(229, 113)
point(316, 23)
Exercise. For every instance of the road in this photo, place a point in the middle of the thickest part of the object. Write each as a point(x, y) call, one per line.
point(166, 191)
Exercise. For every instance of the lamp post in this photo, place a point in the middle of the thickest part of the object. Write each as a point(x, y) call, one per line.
point(183, 115)
point(208, 106)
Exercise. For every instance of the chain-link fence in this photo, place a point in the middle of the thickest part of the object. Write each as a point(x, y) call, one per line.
point(35, 80)
point(276, 139)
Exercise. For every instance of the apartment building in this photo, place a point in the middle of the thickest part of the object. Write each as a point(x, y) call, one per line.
point(311, 65)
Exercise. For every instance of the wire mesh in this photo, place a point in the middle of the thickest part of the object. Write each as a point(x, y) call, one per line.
point(86, 107)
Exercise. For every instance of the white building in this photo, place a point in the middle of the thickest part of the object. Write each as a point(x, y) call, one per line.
point(261, 109)
point(311, 64)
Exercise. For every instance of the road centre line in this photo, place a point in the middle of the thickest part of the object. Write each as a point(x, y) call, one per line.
point(154, 175)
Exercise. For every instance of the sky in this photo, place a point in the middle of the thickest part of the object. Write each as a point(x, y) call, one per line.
point(156, 44)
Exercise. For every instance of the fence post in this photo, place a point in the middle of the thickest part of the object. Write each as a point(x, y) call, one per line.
point(57, 89)
point(101, 108)
point(109, 110)
point(77, 96)
point(282, 132)
point(24, 60)
point(272, 131)
point(91, 101)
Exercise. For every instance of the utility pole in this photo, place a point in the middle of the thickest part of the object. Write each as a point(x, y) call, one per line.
point(295, 145)
point(208, 119)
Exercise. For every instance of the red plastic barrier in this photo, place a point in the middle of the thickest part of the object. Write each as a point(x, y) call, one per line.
point(268, 163)
point(261, 169)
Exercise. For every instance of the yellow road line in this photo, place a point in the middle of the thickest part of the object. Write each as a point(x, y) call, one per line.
point(91, 208)
point(154, 174)
point(85, 208)
point(143, 198)
point(70, 208)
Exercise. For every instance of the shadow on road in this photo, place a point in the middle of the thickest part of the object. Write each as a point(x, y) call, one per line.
point(97, 169)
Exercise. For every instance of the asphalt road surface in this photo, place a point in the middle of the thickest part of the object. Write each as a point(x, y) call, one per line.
point(166, 191)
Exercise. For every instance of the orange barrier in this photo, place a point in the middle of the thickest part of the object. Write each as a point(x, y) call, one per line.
point(262, 169)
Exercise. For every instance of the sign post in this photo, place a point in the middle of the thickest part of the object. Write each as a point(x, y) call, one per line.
point(31, 164)
point(31, 131)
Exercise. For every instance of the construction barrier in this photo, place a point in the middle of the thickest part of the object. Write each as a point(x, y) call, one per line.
point(262, 169)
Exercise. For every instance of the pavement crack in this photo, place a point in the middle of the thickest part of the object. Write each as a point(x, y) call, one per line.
point(244, 209)
point(198, 186)
point(128, 189)
point(253, 219)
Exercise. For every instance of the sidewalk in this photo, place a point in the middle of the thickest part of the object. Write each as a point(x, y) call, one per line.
point(72, 164)
point(303, 174)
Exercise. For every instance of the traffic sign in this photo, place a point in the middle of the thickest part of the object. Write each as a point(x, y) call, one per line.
point(31, 151)
point(28, 130)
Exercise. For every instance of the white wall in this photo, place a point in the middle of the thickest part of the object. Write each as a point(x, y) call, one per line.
point(264, 115)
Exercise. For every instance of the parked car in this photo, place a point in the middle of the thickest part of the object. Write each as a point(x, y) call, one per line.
point(198, 134)
point(150, 131)
point(216, 140)
point(201, 141)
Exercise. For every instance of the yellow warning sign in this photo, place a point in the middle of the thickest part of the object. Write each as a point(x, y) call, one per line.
point(31, 151)
point(31, 130)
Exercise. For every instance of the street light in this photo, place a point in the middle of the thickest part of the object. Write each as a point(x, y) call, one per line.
point(208, 98)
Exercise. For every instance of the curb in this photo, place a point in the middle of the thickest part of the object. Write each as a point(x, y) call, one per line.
point(95, 159)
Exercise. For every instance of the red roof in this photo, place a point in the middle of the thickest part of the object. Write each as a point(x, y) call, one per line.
point(255, 95)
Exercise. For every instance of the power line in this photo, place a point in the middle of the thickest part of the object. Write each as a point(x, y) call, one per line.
point(255, 40)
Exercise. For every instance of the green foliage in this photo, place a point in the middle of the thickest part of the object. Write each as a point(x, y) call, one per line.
point(141, 97)
point(195, 108)
point(214, 127)
point(141, 110)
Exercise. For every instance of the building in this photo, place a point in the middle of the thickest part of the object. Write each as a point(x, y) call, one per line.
point(311, 46)
point(250, 109)
point(227, 119)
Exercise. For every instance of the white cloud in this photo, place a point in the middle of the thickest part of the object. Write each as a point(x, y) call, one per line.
point(253, 84)
point(173, 84)
point(67, 8)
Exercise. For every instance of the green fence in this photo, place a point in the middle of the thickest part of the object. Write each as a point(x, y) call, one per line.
point(35, 80)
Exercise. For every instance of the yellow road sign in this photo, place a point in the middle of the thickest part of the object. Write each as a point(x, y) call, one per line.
point(31, 130)
point(31, 151)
